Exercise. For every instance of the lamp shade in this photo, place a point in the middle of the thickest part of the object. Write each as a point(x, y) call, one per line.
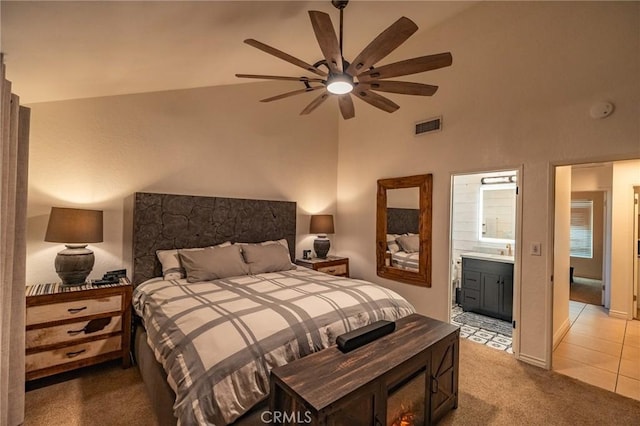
point(74, 226)
point(321, 224)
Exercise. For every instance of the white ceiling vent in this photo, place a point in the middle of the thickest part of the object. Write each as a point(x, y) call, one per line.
point(433, 124)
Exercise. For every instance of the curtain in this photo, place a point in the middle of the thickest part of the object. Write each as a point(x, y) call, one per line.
point(14, 152)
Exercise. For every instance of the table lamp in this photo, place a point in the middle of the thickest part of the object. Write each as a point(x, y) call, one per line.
point(75, 228)
point(321, 224)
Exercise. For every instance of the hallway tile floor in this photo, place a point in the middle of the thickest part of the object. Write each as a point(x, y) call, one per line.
point(600, 350)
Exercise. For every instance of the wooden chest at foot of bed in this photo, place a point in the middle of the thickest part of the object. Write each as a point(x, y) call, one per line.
point(407, 377)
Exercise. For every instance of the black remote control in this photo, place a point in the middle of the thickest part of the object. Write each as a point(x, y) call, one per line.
point(103, 282)
point(117, 273)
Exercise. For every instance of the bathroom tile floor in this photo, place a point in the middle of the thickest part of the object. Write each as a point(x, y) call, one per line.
point(485, 336)
point(600, 350)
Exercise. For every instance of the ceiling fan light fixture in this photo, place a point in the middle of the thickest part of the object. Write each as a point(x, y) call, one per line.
point(339, 84)
point(339, 77)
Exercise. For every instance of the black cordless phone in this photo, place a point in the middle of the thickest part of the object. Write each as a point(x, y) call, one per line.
point(111, 277)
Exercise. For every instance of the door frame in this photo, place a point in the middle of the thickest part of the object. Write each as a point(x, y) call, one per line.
point(517, 252)
point(636, 251)
point(551, 223)
point(597, 195)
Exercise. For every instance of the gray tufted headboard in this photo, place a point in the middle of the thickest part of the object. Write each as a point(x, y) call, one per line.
point(166, 221)
point(403, 221)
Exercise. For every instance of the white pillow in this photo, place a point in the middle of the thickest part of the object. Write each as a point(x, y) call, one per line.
point(392, 244)
point(172, 268)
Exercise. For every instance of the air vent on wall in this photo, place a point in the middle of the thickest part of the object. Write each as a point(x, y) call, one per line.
point(433, 124)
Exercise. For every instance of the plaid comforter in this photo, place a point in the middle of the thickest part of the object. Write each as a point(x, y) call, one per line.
point(219, 340)
point(404, 260)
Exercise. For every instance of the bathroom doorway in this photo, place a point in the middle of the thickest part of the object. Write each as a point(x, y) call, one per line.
point(485, 211)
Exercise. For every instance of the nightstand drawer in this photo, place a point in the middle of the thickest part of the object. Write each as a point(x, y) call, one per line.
point(74, 309)
point(74, 331)
point(40, 360)
point(334, 270)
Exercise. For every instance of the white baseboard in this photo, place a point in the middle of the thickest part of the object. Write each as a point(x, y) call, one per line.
point(538, 362)
point(618, 314)
point(557, 337)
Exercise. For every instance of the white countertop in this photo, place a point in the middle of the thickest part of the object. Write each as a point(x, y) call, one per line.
point(487, 256)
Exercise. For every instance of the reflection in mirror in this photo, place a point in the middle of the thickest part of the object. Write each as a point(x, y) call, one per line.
point(403, 222)
point(498, 213)
point(403, 229)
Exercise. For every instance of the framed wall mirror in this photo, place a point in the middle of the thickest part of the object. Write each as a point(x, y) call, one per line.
point(403, 229)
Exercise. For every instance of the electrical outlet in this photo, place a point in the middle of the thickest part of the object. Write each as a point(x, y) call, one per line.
point(535, 249)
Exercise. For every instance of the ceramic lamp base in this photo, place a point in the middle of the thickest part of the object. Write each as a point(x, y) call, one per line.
point(321, 247)
point(74, 264)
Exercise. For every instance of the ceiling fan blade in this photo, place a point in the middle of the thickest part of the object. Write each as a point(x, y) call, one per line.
point(279, 77)
point(376, 100)
point(402, 87)
point(315, 103)
point(408, 66)
point(327, 39)
point(346, 106)
point(295, 92)
point(284, 56)
point(381, 46)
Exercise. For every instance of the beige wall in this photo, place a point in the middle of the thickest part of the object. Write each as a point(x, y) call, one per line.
point(626, 175)
point(217, 141)
point(592, 177)
point(523, 79)
point(561, 249)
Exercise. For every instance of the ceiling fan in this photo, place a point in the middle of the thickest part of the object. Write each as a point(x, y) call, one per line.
point(359, 77)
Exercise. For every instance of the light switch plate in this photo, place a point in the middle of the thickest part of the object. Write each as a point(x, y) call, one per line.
point(535, 249)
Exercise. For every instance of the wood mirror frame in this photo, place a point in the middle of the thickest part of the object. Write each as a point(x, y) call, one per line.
point(425, 185)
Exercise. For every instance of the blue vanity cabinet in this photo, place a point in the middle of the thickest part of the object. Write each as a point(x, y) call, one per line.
point(487, 287)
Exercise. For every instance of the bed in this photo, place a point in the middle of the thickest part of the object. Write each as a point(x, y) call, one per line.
point(211, 333)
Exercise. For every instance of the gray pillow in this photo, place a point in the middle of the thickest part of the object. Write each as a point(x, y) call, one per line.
point(170, 260)
point(213, 263)
point(266, 258)
point(409, 243)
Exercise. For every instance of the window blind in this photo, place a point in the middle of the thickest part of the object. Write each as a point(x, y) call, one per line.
point(581, 232)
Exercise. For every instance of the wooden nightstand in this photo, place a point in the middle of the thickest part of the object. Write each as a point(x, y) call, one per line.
point(73, 327)
point(334, 265)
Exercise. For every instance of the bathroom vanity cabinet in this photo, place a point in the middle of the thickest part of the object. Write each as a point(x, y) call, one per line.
point(487, 285)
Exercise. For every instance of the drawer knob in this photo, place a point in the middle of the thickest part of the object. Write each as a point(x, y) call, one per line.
point(332, 271)
point(75, 354)
point(76, 310)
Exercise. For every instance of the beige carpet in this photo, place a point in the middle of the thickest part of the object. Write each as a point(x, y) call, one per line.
point(495, 389)
point(586, 290)
point(104, 394)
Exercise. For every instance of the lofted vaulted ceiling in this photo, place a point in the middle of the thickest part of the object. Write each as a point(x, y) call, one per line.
point(68, 50)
